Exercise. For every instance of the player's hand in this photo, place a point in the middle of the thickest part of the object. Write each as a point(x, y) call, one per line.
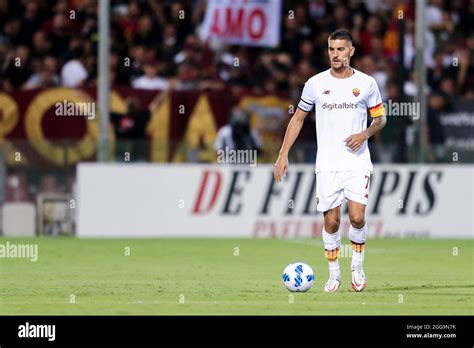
point(281, 166)
point(355, 141)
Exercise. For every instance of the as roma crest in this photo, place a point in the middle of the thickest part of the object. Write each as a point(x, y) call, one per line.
point(356, 92)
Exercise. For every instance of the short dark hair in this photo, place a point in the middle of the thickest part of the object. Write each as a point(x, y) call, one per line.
point(341, 34)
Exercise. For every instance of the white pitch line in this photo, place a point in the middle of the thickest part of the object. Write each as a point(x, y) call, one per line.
point(237, 303)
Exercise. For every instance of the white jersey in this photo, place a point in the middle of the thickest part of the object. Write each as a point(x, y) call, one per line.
point(341, 110)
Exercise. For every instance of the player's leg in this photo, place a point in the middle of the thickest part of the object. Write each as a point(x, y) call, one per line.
point(358, 237)
point(332, 244)
point(329, 195)
point(356, 191)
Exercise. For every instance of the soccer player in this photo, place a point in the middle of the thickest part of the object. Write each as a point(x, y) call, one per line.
point(341, 96)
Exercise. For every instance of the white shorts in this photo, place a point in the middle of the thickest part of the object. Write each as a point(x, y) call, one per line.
point(333, 187)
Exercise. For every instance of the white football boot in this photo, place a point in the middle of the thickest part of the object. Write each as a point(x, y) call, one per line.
point(358, 278)
point(333, 283)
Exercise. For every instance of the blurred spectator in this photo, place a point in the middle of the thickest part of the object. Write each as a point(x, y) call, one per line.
point(150, 78)
point(130, 130)
point(439, 70)
point(465, 78)
point(434, 14)
point(409, 43)
point(373, 28)
point(369, 67)
point(119, 73)
point(145, 31)
point(74, 73)
point(391, 145)
point(307, 54)
point(129, 23)
point(18, 69)
point(16, 188)
point(30, 22)
point(58, 33)
point(187, 77)
point(41, 45)
point(237, 134)
point(168, 47)
point(437, 104)
point(448, 88)
point(45, 76)
point(409, 87)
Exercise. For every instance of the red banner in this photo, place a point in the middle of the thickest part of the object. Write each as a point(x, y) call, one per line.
point(243, 22)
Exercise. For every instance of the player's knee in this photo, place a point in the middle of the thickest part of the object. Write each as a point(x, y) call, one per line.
point(357, 220)
point(332, 225)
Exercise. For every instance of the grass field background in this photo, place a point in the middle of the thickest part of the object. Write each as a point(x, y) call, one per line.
point(405, 277)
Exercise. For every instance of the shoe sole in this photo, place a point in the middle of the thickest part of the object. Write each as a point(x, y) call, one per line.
point(335, 290)
point(357, 290)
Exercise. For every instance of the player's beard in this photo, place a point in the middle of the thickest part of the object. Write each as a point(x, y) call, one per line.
point(340, 65)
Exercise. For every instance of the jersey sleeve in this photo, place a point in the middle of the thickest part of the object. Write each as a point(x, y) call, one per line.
point(374, 101)
point(307, 99)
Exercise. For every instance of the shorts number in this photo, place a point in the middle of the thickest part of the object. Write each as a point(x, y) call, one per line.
point(368, 179)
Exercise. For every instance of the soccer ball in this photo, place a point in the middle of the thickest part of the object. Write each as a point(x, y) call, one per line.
point(298, 277)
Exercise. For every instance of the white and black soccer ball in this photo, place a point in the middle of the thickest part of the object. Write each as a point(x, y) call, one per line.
point(298, 277)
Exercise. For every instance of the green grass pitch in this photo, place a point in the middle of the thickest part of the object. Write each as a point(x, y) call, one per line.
point(205, 277)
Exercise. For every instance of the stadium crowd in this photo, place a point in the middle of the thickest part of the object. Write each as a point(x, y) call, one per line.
point(156, 45)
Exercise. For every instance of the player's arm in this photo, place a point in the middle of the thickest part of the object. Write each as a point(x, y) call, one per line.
point(377, 124)
point(377, 112)
point(292, 131)
point(355, 141)
point(378, 120)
